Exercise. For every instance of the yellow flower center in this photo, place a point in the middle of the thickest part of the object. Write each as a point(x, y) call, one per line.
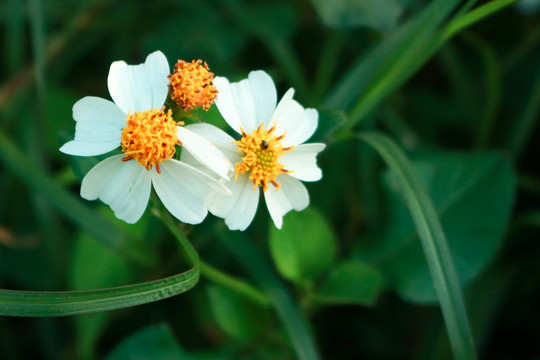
point(150, 137)
point(261, 151)
point(191, 85)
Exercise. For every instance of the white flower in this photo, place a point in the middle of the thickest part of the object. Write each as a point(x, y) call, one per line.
point(148, 136)
point(271, 153)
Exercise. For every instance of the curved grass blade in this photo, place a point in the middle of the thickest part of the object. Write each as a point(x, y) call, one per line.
point(434, 243)
point(261, 271)
point(42, 303)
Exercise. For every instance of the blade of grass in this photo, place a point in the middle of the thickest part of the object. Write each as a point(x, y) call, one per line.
point(15, 35)
point(262, 272)
point(41, 303)
point(407, 63)
point(72, 208)
point(400, 56)
point(434, 243)
point(368, 71)
point(526, 120)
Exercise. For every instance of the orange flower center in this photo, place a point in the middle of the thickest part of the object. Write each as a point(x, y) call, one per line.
point(150, 137)
point(261, 151)
point(191, 85)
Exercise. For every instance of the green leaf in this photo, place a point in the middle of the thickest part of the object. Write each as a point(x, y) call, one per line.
point(379, 14)
point(351, 282)
point(36, 303)
point(434, 243)
point(153, 342)
point(304, 247)
point(236, 315)
point(473, 196)
point(329, 122)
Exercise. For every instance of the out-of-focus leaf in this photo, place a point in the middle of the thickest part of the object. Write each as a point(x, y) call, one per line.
point(378, 14)
point(329, 122)
point(352, 282)
point(236, 315)
point(153, 342)
point(199, 31)
point(304, 247)
point(528, 6)
point(473, 195)
point(111, 271)
point(271, 18)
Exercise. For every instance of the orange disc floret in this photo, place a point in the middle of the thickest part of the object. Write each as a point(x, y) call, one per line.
point(191, 85)
point(150, 137)
point(261, 151)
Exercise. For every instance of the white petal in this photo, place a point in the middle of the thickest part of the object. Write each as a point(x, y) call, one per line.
point(225, 103)
point(98, 129)
point(264, 96)
point(302, 161)
point(239, 209)
point(124, 186)
point(81, 148)
point(139, 87)
point(205, 152)
point(291, 195)
point(247, 103)
point(291, 118)
point(218, 137)
point(185, 191)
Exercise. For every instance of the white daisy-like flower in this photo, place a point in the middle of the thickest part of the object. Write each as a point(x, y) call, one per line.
point(271, 154)
point(148, 135)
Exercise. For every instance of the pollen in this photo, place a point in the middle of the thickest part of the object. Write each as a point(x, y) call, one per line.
point(150, 137)
point(191, 85)
point(261, 150)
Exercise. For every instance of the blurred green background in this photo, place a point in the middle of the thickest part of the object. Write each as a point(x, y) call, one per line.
point(459, 93)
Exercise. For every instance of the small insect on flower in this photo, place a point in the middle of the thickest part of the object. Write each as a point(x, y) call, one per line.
point(270, 155)
point(138, 122)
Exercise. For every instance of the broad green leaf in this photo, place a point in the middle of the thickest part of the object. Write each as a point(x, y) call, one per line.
point(434, 244)
point(351, 282)
point(473, 196)
point(85, 275)
point(304, 247)
point(153, 342)
point(237, 316)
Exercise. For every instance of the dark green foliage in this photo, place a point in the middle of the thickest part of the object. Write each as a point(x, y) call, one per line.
point(453, 86)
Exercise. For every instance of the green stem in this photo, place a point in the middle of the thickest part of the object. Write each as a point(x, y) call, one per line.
point(232, 283)
point(206, 270)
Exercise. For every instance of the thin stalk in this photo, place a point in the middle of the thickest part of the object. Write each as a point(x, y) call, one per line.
point(208, 271)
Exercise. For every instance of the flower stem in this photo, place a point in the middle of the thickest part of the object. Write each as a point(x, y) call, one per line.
point(208, 271)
